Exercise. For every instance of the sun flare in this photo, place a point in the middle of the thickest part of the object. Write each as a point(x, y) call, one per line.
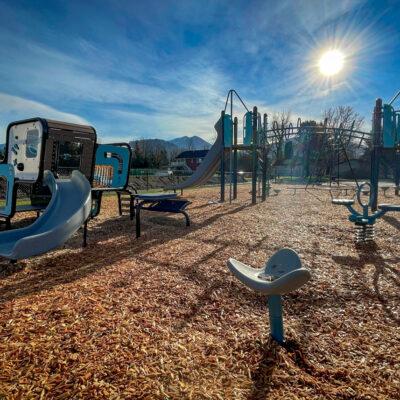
point(331, 62)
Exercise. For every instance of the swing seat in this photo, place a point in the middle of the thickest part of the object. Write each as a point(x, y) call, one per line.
point(343, 202)
point(389, 207)
point(282, 274)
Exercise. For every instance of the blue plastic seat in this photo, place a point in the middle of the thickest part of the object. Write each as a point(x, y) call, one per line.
point(282, 274)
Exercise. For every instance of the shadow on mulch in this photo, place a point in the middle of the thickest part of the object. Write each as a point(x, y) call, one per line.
point(69, 267)
point(262, 377)
point(383, 269)
point(18, 223)
point(392, 221)
point(231, 288)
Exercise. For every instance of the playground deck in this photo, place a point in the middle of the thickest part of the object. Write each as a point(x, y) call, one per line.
point(161, 317)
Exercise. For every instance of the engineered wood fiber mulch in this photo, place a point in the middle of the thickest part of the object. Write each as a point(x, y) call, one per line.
point(162, 317)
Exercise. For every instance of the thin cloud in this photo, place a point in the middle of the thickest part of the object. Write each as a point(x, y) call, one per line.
point(166, 73)
point(14, 108)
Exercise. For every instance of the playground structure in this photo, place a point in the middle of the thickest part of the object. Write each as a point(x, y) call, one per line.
point(227, 145)
point(254, 142)
point(64, 173)
point(111, 172)
point(333, 141)
point(34, 146)
point(282, 274)
point(385, 147)
point(54, 160)
point(38, 145)
point(67, 210)
point(331, 149)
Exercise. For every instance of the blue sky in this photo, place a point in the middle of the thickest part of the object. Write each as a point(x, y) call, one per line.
point(162, 68)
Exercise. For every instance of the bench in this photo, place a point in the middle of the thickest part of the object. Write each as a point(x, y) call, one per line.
point(168, 203)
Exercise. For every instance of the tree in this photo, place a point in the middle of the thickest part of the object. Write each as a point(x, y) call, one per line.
point(347, 118)
point(343, 116)
point(137, 158)
point(159, 158)
point(280, 123)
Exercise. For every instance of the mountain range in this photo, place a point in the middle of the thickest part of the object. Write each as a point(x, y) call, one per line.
point(173, 146)
point(190, 143)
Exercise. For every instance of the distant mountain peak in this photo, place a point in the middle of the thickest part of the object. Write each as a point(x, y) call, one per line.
point(190, 143)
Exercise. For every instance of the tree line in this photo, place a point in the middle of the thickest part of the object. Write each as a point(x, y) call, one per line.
point(147, 156)
point(319, 146)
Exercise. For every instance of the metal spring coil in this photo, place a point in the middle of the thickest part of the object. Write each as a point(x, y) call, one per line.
point(364, 233)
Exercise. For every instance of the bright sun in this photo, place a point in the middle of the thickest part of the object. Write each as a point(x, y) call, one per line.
point(331, 62)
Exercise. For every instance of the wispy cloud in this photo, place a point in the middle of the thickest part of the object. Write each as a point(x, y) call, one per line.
point(135, 73)
point(13, 108)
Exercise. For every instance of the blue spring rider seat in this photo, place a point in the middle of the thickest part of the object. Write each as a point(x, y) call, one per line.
point(283, 273)
point(364, 221)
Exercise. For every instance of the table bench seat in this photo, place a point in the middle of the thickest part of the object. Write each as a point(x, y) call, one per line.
point(162, 203)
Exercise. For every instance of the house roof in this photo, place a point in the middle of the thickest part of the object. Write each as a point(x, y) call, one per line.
point(193, 154)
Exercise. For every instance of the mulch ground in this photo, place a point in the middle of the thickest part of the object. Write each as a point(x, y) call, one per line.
point(163, 318)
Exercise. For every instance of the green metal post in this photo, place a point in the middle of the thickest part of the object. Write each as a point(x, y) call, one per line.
point(222, 167)
point(255, 156)
point(235, 157)
point(397, 170)
point(375, 154)
point(264, 162)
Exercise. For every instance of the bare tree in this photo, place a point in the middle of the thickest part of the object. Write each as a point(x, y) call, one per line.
point(280, 122)
point(343, 116)
point(346, 118)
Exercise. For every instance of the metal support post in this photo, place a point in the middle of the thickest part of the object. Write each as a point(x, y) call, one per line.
point(276, 318)
point(255, 156)
point(375, 154)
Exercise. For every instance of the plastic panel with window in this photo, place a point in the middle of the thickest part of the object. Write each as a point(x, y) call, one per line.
point(24, 146)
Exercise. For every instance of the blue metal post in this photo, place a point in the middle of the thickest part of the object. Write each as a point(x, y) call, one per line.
point(375, 154)
point(397, 171)
point(222, 167)
point(235, 157)
point(264, 190)
point(276, 318)
point(255, 158)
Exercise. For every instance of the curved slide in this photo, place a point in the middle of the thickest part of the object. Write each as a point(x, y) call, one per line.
point(208, 167)
point(67, 211)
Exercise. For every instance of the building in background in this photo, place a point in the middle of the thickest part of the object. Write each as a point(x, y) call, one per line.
point(188, 161)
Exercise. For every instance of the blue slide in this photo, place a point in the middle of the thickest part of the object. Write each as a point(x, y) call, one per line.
point(67, 211)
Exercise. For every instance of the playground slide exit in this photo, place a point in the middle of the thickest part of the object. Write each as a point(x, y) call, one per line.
point(209, 165)
point(67, 211)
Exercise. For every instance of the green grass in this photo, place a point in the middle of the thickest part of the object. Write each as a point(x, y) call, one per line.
point(20, 202)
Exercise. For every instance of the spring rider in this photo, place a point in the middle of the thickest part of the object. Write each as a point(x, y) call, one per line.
point(283, 273)
point(364, 221)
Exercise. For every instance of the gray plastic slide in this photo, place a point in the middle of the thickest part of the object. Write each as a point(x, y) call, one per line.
point(67, 211)
point(282, 273)
point(208, 167)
